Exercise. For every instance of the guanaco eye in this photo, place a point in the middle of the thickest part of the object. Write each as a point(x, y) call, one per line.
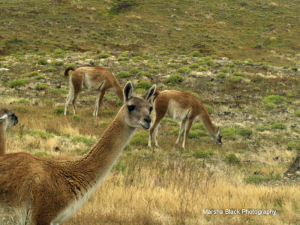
point(131, 108)
point(151, 109)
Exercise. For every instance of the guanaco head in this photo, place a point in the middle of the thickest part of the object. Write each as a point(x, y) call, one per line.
point(218, 137)
point(8, 118)
point(138, 109)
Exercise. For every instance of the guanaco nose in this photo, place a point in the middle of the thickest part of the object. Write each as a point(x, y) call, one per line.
point(148, 119)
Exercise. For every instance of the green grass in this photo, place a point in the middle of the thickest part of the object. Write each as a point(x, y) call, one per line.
point(18, 83)
point(82, 139)
point(174, 79)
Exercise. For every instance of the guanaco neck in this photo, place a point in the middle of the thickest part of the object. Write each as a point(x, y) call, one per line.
point(98, 161)
point(119, 90)
point(206, 120)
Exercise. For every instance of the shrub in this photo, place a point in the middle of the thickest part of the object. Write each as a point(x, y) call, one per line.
point(225, 70)
point(276, 99)
point(123, 74)
point(202, 69)
point(42, 134)
point(237, 74)
point(169, 121)
point(42, 61)
point(270, 106)
point(140, 138)
point(143, 73)
point(232, 159)
point(123, 59)
point(58, 111)
point(50, 69)
point(57, 63)
point(140, 90)
point(196, 54)
point(254, 179)
point(42, 154)
point(18, 83)
point(109, 112)
point(210, 84)
point(120, 166)
point(262, 128)
point(137, 59)
point(82, 139)
point(197, 134)
point(144, 85)
point(229, 133)
point(119, 102)
point(103, 56)
point(39, 77)
point(58, 53)
point(236, 79)
point(77, 118)
point(297, 113)
point(245, 132)
point(21, 109)
point(174, 79)
point(125, 54)
point(59, 91)
point(184, 70)
point(221, 75)
point(294, 69)
point(133, 71)
point(31, 74)
point(41, 87)
point(209, 109)
point(23, 101)
point(48, 102)
point(194, 66)
point(279, 126)
point(210, 63)
point(146, 57)
point(256, 89)
point(201, 153)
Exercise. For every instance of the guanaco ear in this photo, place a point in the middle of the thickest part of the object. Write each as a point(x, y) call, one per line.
point(3, 117)
point(127, 91)
point(151, 92)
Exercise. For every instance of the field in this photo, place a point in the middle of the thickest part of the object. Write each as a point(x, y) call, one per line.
point(251, 91)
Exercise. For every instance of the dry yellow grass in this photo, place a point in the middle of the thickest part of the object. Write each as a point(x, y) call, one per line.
point(161, 186)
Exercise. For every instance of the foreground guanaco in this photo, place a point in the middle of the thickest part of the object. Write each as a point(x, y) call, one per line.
point(36, 190)
point(93, 78)
point(182, 106)
point(7, 119)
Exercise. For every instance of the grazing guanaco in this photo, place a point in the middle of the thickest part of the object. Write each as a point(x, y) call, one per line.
point(37, 190)
point(7, 119)
point(93, 78)
point(182, 106)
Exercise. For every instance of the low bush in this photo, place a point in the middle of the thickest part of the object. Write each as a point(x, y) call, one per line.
point(174, 79)
point(144, 85)
point(41, 87)
point(232, 159)
point(18, 83)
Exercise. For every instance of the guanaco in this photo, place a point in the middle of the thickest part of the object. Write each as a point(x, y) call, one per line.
point(7, 119)
point(181, 106)
point(93, 78)
point(37, 190)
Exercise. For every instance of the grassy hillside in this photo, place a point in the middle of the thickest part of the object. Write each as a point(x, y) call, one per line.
point(256, 106)
point(236, 29)
point(239, 57)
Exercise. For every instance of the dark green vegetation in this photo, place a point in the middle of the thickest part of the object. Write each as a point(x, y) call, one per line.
point(227, 28)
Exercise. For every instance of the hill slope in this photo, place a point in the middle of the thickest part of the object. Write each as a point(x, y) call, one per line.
point(236, 29)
